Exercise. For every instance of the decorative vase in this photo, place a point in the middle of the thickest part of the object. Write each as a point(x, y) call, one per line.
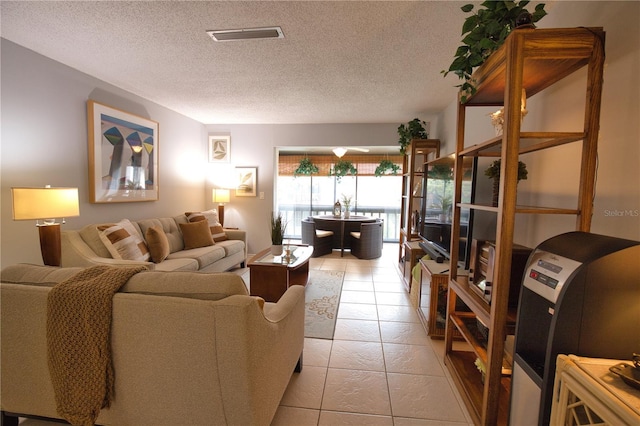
point(276, 249)
point(347, 214)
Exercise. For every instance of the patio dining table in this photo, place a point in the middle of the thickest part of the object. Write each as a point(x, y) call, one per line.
point(341, 228)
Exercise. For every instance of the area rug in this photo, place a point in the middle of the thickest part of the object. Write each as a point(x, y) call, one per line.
point(322, 297)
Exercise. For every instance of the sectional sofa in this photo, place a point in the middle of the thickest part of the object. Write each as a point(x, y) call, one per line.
point(187, 348)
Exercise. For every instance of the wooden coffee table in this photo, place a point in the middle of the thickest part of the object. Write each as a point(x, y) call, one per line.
point(271, 276)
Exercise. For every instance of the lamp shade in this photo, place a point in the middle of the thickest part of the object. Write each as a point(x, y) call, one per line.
point(339, 152)
point(221, 195)
point(44, 203)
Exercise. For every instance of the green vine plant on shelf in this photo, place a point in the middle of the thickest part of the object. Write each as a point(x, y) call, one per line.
point(412, 130)
point(342, 168)
point(387, 167)
point(306, 167)
point(484, 32)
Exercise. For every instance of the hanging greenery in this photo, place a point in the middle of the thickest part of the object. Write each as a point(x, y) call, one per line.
point(412, 130)
point(342, 168)
point(306, 167)
point(484, 32)
point(387, 167)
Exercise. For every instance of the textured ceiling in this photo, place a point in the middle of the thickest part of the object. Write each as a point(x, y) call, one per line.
point(340, 61)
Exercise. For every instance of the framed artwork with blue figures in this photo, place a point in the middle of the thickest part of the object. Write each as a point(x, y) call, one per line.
point(123, 156)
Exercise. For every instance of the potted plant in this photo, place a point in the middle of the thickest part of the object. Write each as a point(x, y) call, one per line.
point(386, 167)
point(412, 130)
point(493, 172)
point(277, 233)
point(306, 167)
point(342, 168)
point(484, 32)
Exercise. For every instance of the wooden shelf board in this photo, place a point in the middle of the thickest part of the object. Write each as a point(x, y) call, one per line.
point(472, 300)
point(529, 142)
point(550, 55)
point(478, 348)
point(522, 209)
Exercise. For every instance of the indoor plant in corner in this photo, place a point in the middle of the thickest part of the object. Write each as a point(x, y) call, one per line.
point(277, 233)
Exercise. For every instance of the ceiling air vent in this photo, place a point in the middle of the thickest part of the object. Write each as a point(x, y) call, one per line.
point(246, 34)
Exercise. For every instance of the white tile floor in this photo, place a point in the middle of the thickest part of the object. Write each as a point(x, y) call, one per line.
point(380, 368)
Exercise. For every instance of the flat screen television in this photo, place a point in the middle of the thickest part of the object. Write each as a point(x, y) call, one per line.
point(437, 208)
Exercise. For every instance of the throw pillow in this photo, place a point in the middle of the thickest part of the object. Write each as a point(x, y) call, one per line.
point(158, 244)
point(211, 216)
point(123, 242)
point(196, 235)
point(218, 234)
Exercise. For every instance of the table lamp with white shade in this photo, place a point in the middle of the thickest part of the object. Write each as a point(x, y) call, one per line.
point(46, 204)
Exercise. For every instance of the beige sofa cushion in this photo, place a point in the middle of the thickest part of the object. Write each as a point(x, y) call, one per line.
point(25, 273)
point(205, 256)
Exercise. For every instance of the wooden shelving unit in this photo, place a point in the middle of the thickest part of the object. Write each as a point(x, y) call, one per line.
point(530, 59)
point(418, 152)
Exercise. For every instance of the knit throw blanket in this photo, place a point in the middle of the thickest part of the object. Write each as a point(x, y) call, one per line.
point(78, 341)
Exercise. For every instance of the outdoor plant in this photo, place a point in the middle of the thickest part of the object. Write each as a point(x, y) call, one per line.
point(484, 32)
point(386, 167)
point(277, 229)
point(412, 130)
point(306, 167)
point(342, 168)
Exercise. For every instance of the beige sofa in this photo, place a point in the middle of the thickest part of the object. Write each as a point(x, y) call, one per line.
point(85, 247)
point(188, 348)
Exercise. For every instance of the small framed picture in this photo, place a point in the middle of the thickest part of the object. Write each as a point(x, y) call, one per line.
point(247, 181)
point(219, 148)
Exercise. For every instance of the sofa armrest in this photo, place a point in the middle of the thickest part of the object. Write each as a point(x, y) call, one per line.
point(75, 252)
point(236, 234)
point(276, 312)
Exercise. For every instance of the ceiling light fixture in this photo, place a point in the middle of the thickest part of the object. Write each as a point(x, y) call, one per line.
point(339, 152)
point(246, 34)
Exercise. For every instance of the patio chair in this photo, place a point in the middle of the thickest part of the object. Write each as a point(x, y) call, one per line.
point(321, 240)
point(367, 243)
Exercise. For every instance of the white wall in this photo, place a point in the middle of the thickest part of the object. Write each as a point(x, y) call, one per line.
point(44, 141)
point(553, 178)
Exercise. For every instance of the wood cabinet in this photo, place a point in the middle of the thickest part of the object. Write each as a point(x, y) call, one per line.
point(533, 60)
point(432, 304)
point(418, 152)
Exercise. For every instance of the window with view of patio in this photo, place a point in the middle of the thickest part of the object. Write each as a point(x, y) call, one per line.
point(302, 195)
